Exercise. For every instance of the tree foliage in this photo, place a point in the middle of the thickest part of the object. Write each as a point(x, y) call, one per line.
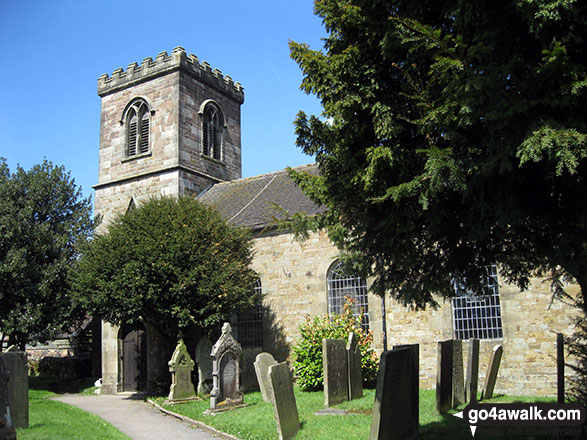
point(453, 136)
point(170, 262)
point(43, 216)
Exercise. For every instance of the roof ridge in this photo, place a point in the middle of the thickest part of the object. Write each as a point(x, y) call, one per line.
point(265, 175)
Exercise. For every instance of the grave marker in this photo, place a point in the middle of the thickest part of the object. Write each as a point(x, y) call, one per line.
point(472, 381)
point(262, 364)
point(204, 361)
point(284, 401)
point(181, 366)
point(396, 408)
point(7, 431)
point(560, 368)
point(249, 379)
point(450, 388)
point(492, 370)
point(15, 362)
point(355, 376)
point(336, 379)
point(226, 388)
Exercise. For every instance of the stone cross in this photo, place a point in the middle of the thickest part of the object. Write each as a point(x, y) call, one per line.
point(226, 357)
point(336, 380)
point(204, 361)
point(397, 399)
point(15, 362)
point(284, 401)
point(7, 431)
point(262, 363)
point(491, 375)
point(472, 381)
point(355, 375)
point(181, 366)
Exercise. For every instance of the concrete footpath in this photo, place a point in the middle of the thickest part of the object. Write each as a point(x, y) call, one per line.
point(139, 419)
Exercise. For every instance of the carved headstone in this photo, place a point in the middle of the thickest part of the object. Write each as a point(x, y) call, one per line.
point(181, 366)
point(397, 400)
point(354, 366)
point(472, 382)
point(15, 362)
point(284, 401)
point(204, 361)
point(248, 376)
point(226, 357)
point(450, 390)
point(336, 379)
point(262, 364)
point(491, 375)
point(7, 431)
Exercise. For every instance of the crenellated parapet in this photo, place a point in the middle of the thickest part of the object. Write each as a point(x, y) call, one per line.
point(165, 63)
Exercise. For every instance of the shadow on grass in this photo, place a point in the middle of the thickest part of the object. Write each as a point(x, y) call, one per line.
point(60, 386)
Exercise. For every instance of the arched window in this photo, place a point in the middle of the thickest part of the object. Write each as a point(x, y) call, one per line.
point(249, 325)
point(342, 286)
point(212, 131)
point(137, 120)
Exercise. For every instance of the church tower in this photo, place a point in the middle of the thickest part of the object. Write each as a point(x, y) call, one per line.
point(170, 126)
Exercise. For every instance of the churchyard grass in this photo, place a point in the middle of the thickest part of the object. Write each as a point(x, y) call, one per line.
point(52, 420)
point(256, 420)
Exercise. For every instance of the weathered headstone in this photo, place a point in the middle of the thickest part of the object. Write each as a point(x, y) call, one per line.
point(226, 356)
point(262, 364)
point(492, 370)
point(284, 401)
point(181, 366)
point(560, 368)
point(248, 376)
point(15, 362)
point(204, 361)
point(7, 431)
point(396, 408)
point(336, 381)
point(450, 388)
point(472, 382)
point(355, 375)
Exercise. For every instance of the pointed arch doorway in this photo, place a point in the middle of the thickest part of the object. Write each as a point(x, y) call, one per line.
point(132, 351)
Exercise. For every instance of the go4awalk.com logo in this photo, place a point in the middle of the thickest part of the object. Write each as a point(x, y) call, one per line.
point(535, 415)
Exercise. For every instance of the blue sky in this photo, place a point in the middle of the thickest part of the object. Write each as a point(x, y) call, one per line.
point(53, 51)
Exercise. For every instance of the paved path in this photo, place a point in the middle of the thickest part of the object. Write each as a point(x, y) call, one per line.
point(138, 419)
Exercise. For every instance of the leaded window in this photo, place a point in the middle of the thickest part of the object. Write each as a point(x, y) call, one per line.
point(212, 128)
point(341, 287)
point(249, 325)
point(477, 316)
point(138, 120)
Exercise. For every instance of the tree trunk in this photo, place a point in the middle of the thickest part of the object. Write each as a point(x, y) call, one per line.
point(582, 280)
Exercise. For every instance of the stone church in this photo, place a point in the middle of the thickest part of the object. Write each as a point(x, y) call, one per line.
point(171, 126)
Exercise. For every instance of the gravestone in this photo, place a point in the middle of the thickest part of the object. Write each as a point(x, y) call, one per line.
point(336, 379)
point(181, 366)
point(472, 381)
point(248, 376)
point(491, 375)
point(15, 362)
point(450, 388)
point(7, 431)
point(560, 368)
point(396, 408)
point(355, 375)
point(284, 401)
point(204, 361)
point(262, 364)
point(226, 356)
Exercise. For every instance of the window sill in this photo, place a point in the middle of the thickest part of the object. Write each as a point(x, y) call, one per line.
point(211, 159)
point(136, 156)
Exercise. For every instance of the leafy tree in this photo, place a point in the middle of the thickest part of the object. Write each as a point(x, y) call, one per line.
point(172, 263)
point(453, 136)
point(43, 215)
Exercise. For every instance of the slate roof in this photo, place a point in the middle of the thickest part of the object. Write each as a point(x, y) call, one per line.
point(256, 202)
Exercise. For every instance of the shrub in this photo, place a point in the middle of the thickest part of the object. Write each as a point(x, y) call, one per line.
point(307, 354)
point(577, 350)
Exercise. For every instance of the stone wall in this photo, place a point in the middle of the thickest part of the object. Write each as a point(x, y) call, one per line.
point(293, 277)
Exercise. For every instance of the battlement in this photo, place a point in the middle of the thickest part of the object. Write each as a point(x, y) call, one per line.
point(163, 64)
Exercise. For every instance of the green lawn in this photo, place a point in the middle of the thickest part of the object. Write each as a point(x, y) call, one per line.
point(256, 421)
point(52, 420)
